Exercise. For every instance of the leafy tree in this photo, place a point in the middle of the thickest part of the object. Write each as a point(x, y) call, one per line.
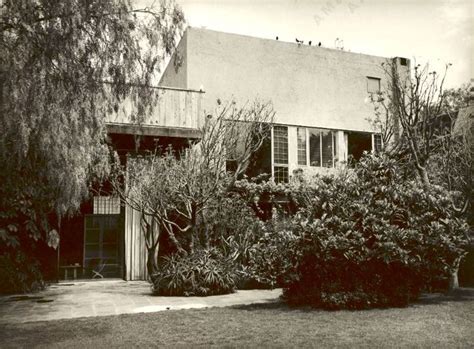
point(413, 103)
point(453, 159)
point(65, 65)
point(425, 113)
point(456, 99)
point(173, 191)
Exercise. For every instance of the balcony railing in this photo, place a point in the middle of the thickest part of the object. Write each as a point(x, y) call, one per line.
point(177, 112)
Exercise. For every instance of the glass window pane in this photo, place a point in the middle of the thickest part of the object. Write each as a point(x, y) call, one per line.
point(301, 146)
point(110, 236)
point(109, 253)
point(91, 262)
point(280, 174)
point(314, 147)
point(373, 85)
point(92, 251)
point(106, 205)
point(378, 143)
point(280, 145)
point(327, 153)
point(92, 235)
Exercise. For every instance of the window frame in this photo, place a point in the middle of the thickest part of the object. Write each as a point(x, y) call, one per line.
point(374, 142)
point(333, 147)
point(368, 78)
point(280, 165)
point(106, 205)
point(298, 149)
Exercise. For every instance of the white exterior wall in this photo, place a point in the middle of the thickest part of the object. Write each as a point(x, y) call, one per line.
point(309, 86)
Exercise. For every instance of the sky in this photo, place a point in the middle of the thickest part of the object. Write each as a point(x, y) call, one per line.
point(426, 31)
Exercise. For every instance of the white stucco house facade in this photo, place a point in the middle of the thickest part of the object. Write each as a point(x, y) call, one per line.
point(320, 95)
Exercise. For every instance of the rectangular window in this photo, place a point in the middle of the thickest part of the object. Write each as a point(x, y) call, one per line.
point(373, 85)
point(314, 147)
point(326, 149)
point(301, 146)
point(106, 205)
point(280, 145)
point(377, 143)
point(321, 148)
point(280, 174)
point(280, 154)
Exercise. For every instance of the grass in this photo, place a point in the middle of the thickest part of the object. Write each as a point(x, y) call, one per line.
point(435, 321)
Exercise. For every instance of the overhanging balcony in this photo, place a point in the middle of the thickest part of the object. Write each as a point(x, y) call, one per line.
point(176, 113)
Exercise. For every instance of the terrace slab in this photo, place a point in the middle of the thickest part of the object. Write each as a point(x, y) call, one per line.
point(112, 297)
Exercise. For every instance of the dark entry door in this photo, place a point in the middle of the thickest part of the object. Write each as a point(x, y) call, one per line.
point(103, 237)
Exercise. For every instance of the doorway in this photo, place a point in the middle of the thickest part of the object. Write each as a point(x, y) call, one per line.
point(357, 143)
point(103, 246)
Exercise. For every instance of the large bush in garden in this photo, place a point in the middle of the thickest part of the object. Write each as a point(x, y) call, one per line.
point(363, 238)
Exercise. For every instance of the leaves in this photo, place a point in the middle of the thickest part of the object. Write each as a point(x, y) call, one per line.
point(373, 238)
point(203, 273)
point(64, 66)
point(180, 188)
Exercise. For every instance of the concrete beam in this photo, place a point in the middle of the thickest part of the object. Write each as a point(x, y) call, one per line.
point(154, 131)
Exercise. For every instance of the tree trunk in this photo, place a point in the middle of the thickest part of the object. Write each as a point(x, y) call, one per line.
point(206, 234)
point(193, 229)
point(152, 260)
point(152, 236)
point(191, 241)
point(425, 180)
point(454, 282)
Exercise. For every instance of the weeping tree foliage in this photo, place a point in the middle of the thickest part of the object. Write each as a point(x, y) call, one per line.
point(173, 191)
point(66, 65)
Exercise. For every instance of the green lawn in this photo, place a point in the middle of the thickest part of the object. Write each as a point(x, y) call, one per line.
point(436, 321)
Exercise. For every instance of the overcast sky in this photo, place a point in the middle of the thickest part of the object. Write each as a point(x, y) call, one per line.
point(434, 31)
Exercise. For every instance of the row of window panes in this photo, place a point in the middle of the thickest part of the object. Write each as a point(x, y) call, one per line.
point(301, 146)
point(106, 205)
point(280, 174)
point(378, 143)
point(321, 149)
point(280, 154)
point(280, 145)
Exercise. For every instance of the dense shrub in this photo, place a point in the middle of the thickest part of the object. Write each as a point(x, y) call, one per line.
point(362, 238)
point(202, 273)
point(228, 230)
point(234, 229)
point(275, 253)
point(19, 273)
